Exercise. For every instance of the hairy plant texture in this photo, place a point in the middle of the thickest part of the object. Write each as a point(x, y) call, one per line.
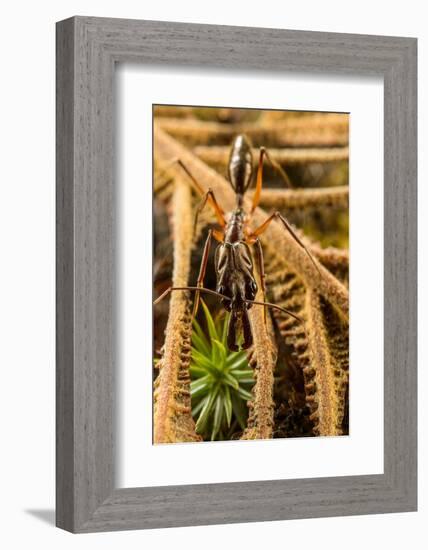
point(300, 369)
point(320, 349)
point(263, 360)
point(219, 155)
point(336, 197)
point(320, 130)
point(172, 407)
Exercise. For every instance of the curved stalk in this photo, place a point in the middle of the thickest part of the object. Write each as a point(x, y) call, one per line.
point(172, 407)
point(263, 360)
point(336, 197)
point(218, 155)
point(320, 129)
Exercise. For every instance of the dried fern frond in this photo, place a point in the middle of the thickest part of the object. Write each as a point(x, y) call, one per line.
point(219, 155)
point(172, 407)
point(329, 129)
point(336, 197)
point(330, 369)
point(263, 359)
point(336, 260)
point(174, 111)
point(320, 351)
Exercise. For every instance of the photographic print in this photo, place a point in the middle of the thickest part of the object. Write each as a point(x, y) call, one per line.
point(250, 274)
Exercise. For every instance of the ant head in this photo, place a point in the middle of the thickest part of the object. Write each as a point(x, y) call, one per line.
point(240, 168)
point(235, 278)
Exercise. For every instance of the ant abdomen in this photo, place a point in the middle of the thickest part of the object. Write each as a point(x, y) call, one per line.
point(240, 168)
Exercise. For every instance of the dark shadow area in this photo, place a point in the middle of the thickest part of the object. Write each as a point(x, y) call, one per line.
point(44, 514)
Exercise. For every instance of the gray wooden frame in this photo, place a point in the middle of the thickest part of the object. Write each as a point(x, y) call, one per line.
point(87, 50)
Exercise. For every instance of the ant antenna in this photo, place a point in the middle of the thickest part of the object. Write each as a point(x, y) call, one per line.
point(274, 306)
point(192, 289)
point(222, 296)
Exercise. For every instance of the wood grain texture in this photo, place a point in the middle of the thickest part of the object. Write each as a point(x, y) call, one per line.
point(87, 49)
point(64, 278)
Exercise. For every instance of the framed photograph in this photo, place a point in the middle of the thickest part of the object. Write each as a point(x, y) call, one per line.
point(236, 274)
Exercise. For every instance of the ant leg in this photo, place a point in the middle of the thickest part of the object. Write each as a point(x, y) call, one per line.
point(180, 163)
point(218, 235)
point(259, 180)
point(209, 195)
point(246, 329)
point(278, 169)
point(202, 270)
point(164, 172)
point(261, 268)
point(262, 228)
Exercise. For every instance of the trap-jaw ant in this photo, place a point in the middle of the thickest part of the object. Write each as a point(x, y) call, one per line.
point(236, 284)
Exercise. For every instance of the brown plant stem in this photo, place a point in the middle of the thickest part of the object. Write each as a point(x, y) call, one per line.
point(219, 155)
point(328, 397)
point(321, 352)
point(173, 420)
point(329, 129)
point(334, 259)
point(174, 111)
point(263, 360)
point(337, 197)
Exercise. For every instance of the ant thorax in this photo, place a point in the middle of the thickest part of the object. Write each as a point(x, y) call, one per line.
point(234, 231)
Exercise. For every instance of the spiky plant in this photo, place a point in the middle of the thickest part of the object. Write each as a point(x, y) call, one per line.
point(221, 380)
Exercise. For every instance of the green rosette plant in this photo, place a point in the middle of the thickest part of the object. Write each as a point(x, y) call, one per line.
point(221, 380)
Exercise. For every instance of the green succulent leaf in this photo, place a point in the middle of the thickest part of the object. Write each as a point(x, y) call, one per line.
point(212, 331)
point(197, 408)
point(228, 406)
point(236, 360)
point(221, 351)
point(239, 410)
point(224, 334)
point(197, 371)
point(204, 362)
point(200, 343)
point(218, 414)
point(231, 381)
point(206, 411)
point(245, 394)
point(244, 373)
point(200, 386)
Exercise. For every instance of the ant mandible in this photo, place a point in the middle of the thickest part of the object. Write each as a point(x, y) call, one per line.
point(236, 284)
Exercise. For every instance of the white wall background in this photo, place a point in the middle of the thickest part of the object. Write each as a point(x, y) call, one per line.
point(27, 271)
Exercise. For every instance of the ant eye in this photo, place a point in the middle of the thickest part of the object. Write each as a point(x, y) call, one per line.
point(252, 290)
